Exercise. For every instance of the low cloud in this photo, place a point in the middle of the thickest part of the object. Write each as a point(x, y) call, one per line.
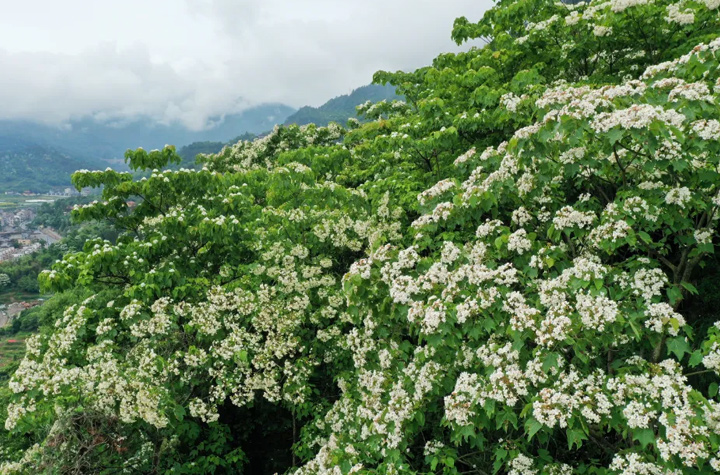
point(247, 52)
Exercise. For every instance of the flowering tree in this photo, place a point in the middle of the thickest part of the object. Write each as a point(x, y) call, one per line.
point(497, 275)
point(550, 315)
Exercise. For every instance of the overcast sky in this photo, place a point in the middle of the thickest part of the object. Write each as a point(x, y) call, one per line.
point(187, 60)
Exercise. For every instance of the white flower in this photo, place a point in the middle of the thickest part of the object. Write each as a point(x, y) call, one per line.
point(674, 15)
point(678, 196)
point(450, 253)
point(521, 216)
point(703, 236)
point(438, 189)
point(519, 242)
point(638, 116)
point(694, 91)
point(620, 5)
point(487, 228)
point(599, 30)
point(465, 156)
point(707, 129)
point(596, 312)
point(611, 231)
point(648, 283)
point(712, 359)
point(573, 18)
point(522, 465)
point(663, 316)
point(510, 101)
point(569, 217)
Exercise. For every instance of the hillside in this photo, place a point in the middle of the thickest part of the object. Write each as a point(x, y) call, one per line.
point(26, 166)
point(109, 140)
point(340, 108)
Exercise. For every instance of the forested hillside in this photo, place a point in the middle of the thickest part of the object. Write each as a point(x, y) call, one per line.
point(31, 167)
point(510, 271)
point(341, 108)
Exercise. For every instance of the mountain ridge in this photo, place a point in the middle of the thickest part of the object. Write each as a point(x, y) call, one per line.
point(37, 157)
point(341, 108)
point(87, 138)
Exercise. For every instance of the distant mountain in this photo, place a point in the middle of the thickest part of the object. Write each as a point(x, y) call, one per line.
point(190, 151)
point(25, 166)
point(88, 138)
point(338, 110)
point(341, 108)
point(36, 157)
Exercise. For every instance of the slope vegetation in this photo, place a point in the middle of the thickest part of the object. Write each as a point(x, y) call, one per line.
point(511, 271)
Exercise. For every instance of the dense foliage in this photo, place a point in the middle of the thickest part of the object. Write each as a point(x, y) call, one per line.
point(513, 271)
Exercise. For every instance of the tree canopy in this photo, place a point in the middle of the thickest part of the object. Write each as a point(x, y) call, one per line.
point(511, 271)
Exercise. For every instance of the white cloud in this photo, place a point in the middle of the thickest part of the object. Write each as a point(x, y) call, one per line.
point(188, 61)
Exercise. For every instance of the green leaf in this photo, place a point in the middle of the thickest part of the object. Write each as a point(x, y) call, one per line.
point(615, 135)
point(489, 407)
point(695, 359)
point(532, 426)
point(550, 361)
point(678, 346)
point(499, 242)
point(674, 294)
point(713, 389)
point(690, 288)
point(500, 456)
point(575, 437)
point(179, 412)
point(645, 237)
point(644, 436)
point(631, 239)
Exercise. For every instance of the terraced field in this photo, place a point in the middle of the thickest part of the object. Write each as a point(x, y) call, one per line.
point(12, 349)
point(16, 201)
